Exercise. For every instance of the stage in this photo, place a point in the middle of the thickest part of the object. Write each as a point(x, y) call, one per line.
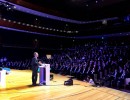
point(18, 87)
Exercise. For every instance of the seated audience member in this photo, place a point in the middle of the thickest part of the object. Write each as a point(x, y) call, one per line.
point(91, 81)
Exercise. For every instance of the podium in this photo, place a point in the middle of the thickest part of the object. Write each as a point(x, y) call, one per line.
point(2, 78)
point(44, 74)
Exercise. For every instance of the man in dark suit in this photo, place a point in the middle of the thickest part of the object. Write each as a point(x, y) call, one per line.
point(35, 63)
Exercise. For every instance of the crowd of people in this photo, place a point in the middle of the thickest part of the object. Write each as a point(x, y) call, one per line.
point(15, 64)
point(106, 64)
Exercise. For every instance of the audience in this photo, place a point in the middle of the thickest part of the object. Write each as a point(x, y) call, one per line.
point(106, 63)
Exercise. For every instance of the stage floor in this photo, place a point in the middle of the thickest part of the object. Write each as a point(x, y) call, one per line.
point(18, 87)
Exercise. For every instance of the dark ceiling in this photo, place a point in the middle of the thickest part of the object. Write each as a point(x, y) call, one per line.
point(86, 9)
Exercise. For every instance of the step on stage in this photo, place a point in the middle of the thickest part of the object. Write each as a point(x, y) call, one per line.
point(18, 87)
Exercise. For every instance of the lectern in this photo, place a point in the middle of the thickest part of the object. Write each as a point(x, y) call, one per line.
point(2, 78)
point(44, 74)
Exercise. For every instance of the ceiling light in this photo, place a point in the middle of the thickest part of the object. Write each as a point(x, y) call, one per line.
point(35, 26)
point(4, 19)
point(76, 31)
point(27, 24)
point(39, 27)
point(31, 25)
point(14, 7)
point(14, 21)
point(23, 24)
point(19, 22)
point(9, 20)
point(68, 31)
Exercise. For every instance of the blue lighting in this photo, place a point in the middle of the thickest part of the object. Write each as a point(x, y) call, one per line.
point(43, 34)
point(41, 14)
point(127, 18)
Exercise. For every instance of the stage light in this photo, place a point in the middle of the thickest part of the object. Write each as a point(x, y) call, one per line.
point(50, 29)
point(31, 25)
point(7, 5)
point(102, 38)
point(40, 27)
point(4, 19)
point(60, 30)
point(19, 22)
point(69, 32)
point(27, 24)
point(76, 31)
point(104, 22)
point(14, 21)
point(23, 24)
point(64, 31)
point(35, 26)
point(9, 20)
point(14, 7)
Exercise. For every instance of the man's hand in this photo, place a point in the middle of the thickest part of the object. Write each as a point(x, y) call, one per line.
point(40, 62)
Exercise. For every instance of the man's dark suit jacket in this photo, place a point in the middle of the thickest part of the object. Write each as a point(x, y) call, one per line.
point(34, 64)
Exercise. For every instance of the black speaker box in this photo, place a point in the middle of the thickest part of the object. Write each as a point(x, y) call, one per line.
point(51, 76)
point(68, 82)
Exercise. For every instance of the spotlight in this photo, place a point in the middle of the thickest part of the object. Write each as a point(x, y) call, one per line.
point(4, 19)
point(28, 25)
point(14, 21)
point(9, 20)
point(31, 25)
point(14, 7)
point(104, 22)
point(40, 27)
point(23, 24)
point(19, 22)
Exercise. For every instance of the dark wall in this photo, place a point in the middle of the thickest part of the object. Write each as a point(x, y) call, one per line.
point(22, 45)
